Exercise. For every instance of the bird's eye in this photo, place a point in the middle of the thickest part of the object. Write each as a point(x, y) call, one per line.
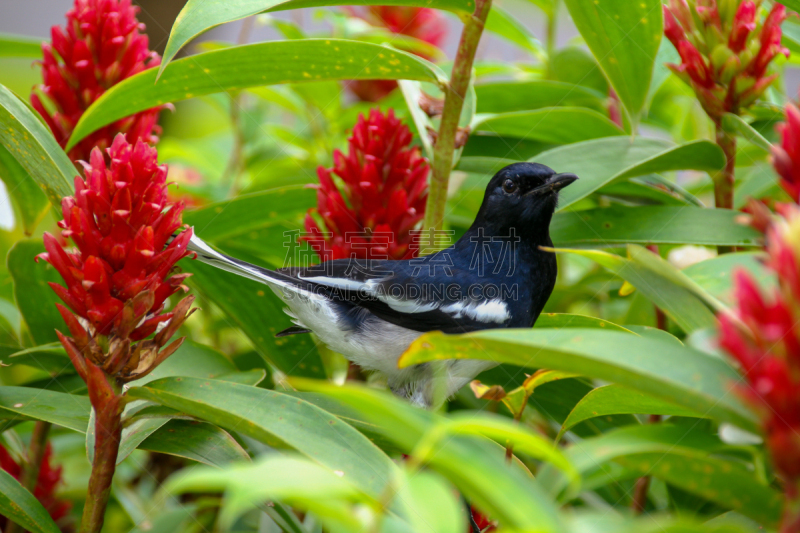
point(509, 186)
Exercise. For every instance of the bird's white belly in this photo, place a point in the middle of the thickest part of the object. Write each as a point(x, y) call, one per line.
point(377, 346)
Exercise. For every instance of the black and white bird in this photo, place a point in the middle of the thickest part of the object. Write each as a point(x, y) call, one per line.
point(495, 276)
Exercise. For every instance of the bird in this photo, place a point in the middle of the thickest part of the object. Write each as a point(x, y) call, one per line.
point(499, 274)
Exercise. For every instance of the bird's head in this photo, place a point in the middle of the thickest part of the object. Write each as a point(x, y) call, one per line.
point(523, 196)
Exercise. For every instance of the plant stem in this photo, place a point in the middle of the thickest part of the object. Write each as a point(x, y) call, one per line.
point(455, 93)
point(33, 463)
point(642, 484)
point(552, 27)
point(108, 433)
point(723, 181)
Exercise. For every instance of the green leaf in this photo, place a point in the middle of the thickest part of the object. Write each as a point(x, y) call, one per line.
point(22, 507)
point(30, 203)
point(499, 429)
point(553, 125)
point(240, 67)
point(276, 420)
point(680, 303)
point(509, 96)
point(49, 357)
point(190, 360)
point(663, 369)
point(35, 299)
point(20, 46)
point(715, 276)
point(506, 26)
point(223, 220)
point(198, 441)
point(511, 497)
point(616, 400)
point(682, 458)
point(576, 66)
point(198, 16)
point(432, 506)
point(275, 477)
point(624, 37)
point(566, 320)
point(67, 410)
point(253, 308)
point(34, 148)
point(600, 162)
point(651, 225)
point(735, 124)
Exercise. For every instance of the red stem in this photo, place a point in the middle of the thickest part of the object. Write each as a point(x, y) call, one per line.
point(108, 404)
point(642, 484)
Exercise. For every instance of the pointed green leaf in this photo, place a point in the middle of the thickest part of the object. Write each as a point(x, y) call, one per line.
point(30, 202)
point(602, 161)
point(691, 460)
point(509, 96)
point(240, 67)
point(512, 496)
point(34, 148)
point(615, 400)
point(680, 302)
point(619, 224)
point(624, 37)
point(198, 16)
point(20, 46)
point(67, 410)
point(552, 125)
point(735, 124)
point(661, 368)
point(276, 420)
point(35, 299)
point(22, 507)
point(198, 441)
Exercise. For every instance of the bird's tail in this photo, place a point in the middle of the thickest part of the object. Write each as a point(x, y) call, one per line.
point(209, 256)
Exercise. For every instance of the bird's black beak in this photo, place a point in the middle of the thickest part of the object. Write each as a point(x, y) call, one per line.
point(555, 183)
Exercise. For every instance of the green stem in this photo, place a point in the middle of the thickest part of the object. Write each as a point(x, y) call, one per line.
point(455, 93)
point(724, 179)
point(33, 463)
point(107, 437)
point(552, 27)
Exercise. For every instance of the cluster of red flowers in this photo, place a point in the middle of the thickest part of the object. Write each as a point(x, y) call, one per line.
point(45, 491)
point(725, 50)
point(100, 46)
point(117, 282)
point(766, 343)
point(382, 197)
point(422, 23)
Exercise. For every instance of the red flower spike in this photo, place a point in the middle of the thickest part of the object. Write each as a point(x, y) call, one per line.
point(100, 46)
point(422, 23)
point(725, 54)
point(117, 282)
point(766, 343)
point(46, 484)
point(382, 197)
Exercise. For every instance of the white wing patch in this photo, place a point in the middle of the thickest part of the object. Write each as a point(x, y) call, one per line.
point(373, 288)
point(485, 311)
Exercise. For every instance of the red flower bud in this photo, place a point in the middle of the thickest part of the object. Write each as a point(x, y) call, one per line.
point(100, 46)
point(382, 198)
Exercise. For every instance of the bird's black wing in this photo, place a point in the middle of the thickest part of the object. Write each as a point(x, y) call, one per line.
point(413, 295)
